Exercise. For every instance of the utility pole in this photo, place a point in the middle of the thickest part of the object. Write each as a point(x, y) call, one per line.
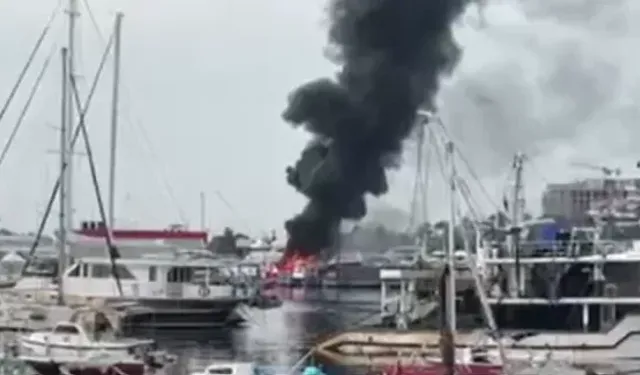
point(64, 158)
point(115, 94)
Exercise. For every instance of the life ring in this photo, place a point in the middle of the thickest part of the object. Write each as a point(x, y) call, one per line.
point(203, 291)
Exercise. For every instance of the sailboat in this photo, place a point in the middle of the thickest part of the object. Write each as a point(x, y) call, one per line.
point(452, 360)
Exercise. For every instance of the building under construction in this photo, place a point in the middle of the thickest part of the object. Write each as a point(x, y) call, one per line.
point(576, 200)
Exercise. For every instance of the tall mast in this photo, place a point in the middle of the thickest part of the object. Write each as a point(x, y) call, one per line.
point(62, 255)
point(114, 119)
point(517, 212)
point(451, 283)
point(73, 13)
point(203, 212)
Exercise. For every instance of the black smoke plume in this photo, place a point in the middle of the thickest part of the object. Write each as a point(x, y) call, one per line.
point(393, 54)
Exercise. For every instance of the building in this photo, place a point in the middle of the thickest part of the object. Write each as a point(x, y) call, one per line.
point(575, 200)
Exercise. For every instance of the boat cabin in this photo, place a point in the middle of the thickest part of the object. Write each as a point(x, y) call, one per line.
point(150, 278)
point(229, 368)
point(81, 332)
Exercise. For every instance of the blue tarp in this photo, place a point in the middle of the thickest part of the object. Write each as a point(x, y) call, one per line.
point(548, 232)
point(312, 370)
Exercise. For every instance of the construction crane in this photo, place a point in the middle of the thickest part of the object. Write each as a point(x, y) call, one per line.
point(608, 172)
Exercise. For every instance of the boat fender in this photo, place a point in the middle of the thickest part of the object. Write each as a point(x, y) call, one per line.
point(204, 291)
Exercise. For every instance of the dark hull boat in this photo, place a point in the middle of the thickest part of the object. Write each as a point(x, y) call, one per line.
point(353, 270)
point(350, 275)
point(183, 314)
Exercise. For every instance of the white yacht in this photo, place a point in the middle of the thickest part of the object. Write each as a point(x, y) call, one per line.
point(182, 290)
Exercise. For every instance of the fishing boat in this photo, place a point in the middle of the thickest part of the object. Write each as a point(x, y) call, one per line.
point(88, 345)
point(572, 298)
point(451, 359)
point(87, 333)
point(352, 269)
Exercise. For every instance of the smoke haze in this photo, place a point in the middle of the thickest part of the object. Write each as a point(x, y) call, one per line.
point(543, 75)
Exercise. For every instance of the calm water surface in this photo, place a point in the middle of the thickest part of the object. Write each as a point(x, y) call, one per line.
point(280, 337)
point(277, 337)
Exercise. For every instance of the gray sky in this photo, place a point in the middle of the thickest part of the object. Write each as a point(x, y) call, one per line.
point(205, 81)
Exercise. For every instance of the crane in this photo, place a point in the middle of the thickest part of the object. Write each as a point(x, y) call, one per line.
point(608, 172)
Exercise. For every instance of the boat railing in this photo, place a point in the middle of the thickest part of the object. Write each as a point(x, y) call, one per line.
point(562, 249)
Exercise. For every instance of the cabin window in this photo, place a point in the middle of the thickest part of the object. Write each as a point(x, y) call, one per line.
point(85, 270)
point(221, 371)
point(198, 275)
point(103, 271)
point(75, 271)
point(100, 271)
point(66, 329)
point(123, 272)
point(180, 275)
point(217, 277)
point(153, 273)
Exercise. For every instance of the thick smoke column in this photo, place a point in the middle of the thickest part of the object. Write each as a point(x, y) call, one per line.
point(392, 53)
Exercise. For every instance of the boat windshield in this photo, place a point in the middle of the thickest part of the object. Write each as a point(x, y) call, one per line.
point(220, 371)
point(42, 267)
point(68, 329)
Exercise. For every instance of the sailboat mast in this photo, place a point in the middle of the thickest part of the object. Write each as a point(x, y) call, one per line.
point(73, 13)
point(451, 283)
point(114, 119)
point(203, 211)
point(62, 255)
point(517, 212)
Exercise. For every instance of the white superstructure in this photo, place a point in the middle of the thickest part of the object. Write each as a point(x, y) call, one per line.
point(182, 277)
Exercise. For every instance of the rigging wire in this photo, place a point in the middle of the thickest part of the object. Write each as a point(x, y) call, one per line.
point(25, 108)
point(487, 313)
point(112, 251)
point(136, 123)
point(30, 59)
point(74, 139)
point(469, 168)
point(232, 209)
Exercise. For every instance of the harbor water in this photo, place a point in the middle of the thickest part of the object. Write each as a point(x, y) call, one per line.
point(277, 338)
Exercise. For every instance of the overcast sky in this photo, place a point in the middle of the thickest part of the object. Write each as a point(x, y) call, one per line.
point(205, 81)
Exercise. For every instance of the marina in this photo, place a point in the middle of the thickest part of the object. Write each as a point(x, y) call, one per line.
point(484, 290)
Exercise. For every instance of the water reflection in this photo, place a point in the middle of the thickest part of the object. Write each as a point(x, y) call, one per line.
point(277, 337)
